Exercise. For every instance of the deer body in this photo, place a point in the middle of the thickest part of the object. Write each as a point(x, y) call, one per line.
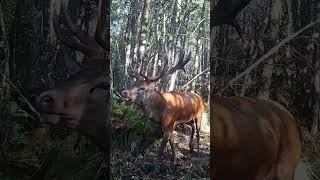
point(253, 139)
point(180, 108)
point(169, 109)
point(182, 105)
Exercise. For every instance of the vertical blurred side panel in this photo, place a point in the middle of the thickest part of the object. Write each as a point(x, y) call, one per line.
point(263, 97)
point(81, 101)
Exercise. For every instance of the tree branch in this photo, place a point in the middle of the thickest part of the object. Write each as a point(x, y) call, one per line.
point(267, 55)
point(194, 78)
point(23, 98)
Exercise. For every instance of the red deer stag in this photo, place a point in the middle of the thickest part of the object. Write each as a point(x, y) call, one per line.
point(82, 102)
point(169, 108)
point(253, 139)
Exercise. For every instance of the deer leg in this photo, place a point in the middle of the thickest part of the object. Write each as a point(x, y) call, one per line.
point(173, 150)
point(198, 127)
point(166, 136)
point(192, 134)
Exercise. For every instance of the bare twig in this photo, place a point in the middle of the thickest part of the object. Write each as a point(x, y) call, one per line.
point(195, 78)
point(205, 19)
point(23, 98)
point(267, 55)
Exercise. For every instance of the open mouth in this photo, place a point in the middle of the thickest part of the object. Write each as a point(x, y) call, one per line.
point(58, 119)
point(127, 99)
point(53, 113)
point(60, 116)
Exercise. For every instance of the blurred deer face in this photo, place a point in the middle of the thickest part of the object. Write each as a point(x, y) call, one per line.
point(68, 103)
point(137, 92)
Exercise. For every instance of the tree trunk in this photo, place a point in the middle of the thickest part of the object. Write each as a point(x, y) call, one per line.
point(175, 22)
point(316, 105)
point(4, 55)
point(143, 33)
point(316, 59)
point(199, 50)
point(268, 68)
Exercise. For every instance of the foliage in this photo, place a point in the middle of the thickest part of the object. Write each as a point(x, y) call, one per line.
point(31, 154)
point(11, 109)
point(173, 27)
point(15, 143)
point(133, 118)
point(312, 154)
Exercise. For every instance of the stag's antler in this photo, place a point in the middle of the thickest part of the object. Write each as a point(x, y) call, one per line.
point(180, 65)
point(92, 46)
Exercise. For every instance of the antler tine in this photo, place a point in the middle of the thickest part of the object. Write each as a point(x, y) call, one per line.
point(75, 38)
point(144, 76)
point(83, 37)
point(135, 74)
point(162, 73)
point(181, 63)
point(101, 23)
point(76, 33)
point(70, 43)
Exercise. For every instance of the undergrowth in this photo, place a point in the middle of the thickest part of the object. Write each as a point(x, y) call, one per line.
point(32, 151)
point(312, 155)
point(131, 118)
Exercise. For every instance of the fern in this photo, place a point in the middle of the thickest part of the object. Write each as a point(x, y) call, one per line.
point(135, 118)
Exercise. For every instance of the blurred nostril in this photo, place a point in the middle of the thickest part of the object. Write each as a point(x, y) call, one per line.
point(124, 93)
point(46, 100)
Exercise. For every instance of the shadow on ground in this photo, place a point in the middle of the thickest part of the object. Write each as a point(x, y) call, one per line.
point(129, 165)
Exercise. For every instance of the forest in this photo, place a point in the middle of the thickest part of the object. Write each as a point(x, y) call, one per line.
point(151, 37)
point(166, 45)
point(39, 51)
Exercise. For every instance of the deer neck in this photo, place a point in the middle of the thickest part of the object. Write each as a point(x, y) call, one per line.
point(95, 123)
point(154, 105)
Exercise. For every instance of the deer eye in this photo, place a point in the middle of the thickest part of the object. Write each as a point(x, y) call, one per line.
point(141, 89)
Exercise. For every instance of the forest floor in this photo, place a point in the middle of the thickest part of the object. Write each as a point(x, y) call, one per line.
point(127, 165)
point(301, 172)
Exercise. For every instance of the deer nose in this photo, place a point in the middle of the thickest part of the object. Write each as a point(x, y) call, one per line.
point(45, 102)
